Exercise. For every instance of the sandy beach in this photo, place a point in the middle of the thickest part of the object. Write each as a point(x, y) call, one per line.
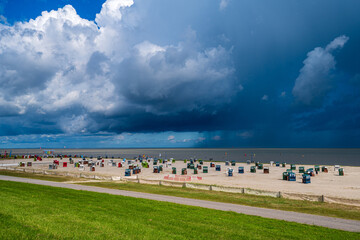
point(328, 184)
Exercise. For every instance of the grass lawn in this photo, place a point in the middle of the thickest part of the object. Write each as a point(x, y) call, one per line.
point(324, 209)
point(318, 208)
point(37, 176)
point(40, 212)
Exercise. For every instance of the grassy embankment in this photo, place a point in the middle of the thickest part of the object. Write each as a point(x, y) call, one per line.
point(39, 212)
point(317, 208)
point(53, 178)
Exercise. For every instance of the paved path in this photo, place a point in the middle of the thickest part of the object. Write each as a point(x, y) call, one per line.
point(330, 222)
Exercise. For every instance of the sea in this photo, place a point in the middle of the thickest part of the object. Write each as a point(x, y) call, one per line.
point(306, 156)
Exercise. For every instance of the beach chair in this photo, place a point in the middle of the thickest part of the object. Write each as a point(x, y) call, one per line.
point(291, 176)
point(306, 178)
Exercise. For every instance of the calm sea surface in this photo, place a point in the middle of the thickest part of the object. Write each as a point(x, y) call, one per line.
point(345, 157)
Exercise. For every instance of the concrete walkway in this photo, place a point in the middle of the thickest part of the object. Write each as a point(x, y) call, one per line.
point(329, 222)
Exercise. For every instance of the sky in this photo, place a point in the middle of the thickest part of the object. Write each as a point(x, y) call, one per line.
point(180, 73)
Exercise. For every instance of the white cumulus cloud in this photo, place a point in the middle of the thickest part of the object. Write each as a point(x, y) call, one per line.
point(60, 64)
point(223, 4)
point(314, 80)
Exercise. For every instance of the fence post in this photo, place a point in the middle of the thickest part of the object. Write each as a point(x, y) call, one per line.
point(279, 195)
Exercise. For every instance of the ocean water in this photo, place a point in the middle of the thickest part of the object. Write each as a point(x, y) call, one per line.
point(321, 156)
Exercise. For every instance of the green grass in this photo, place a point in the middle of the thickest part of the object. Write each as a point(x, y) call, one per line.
point(318, 208)
point(37, 176)
point(40, 212)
